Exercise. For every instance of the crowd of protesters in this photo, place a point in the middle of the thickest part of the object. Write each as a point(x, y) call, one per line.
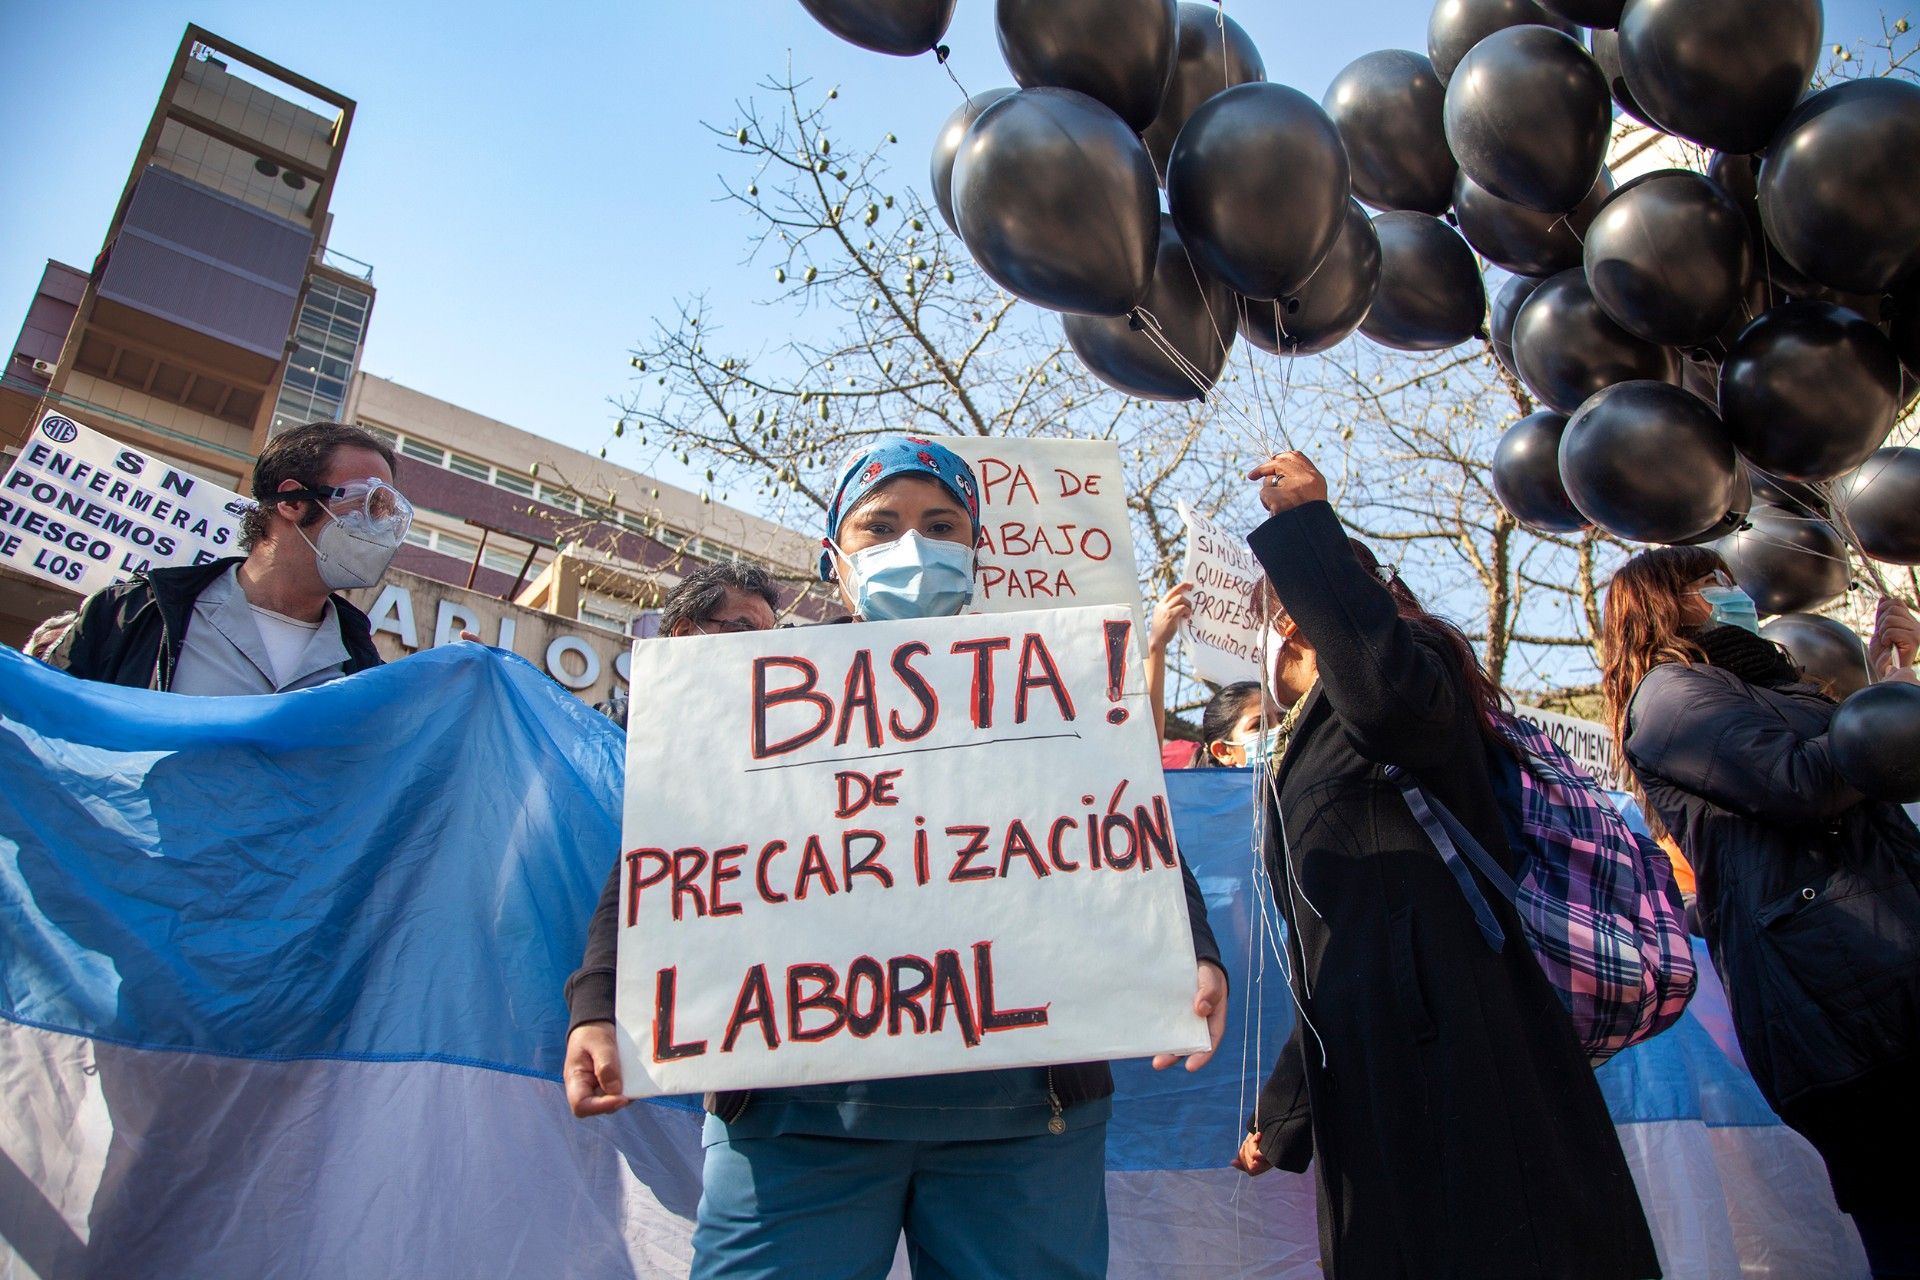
point(1434, 1084)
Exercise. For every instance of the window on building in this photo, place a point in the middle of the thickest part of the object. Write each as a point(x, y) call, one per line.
point(602, 618)
point(513, 482)
point(382, 432)
point(420, 449)
point(559, 498)
point(507, 562)
point(452, 544)
point(419, 537)
point(472, 468)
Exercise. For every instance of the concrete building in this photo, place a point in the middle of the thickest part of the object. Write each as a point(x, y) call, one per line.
point(519, 517)
point(217, 314)
point(215, 305)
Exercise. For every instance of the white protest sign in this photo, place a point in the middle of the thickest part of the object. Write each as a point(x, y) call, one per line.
point(1223, 637)
point(904, 848)
point(84, 511)
point(1054, 528)
point(1589, 743)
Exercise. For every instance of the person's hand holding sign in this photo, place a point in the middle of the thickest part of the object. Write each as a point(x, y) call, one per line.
point(1210, 1002)
point(1288, 480)
point(592, 1071)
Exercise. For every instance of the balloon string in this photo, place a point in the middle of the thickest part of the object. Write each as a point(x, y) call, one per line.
point(945, 55)
point(1210, 393)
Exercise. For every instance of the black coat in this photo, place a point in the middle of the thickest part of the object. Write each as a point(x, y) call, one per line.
point(1458, 1129)
point(131, 633)
point(1809, 897)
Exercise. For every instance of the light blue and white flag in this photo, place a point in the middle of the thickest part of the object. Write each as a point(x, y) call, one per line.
point(280, 996)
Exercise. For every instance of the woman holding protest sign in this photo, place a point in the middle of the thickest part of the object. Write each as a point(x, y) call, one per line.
point(1435, 1081)
point(987, 1173)
point(1809, 892)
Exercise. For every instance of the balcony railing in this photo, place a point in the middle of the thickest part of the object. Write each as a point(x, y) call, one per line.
point(335, 260)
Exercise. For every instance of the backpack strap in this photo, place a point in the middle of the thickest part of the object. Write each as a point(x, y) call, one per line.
point(1457, 846)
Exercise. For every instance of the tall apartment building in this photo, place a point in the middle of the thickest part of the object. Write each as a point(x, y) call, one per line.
point(216, 315)
point(215, 307)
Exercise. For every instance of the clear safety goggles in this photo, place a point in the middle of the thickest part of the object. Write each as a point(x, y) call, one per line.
point(373, 503)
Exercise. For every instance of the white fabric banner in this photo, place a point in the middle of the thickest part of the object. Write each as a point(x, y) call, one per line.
point(84, 511)
point(1223, 636)
point(1054, 526)
point(901, 848)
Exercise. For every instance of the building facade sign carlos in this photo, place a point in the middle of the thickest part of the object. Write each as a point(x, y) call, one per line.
point(411, 613)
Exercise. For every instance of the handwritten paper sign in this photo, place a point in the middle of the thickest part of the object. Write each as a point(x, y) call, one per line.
point(1589, 743)
point(1222, 634)
point(905, 848)
point(1054, 528)
point(84, 511)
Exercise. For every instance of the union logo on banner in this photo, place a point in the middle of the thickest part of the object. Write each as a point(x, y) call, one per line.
point(59, 430)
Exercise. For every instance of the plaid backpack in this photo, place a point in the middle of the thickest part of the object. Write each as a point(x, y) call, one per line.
point(1599, 905)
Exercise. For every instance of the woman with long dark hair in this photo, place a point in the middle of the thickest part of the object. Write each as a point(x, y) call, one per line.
point(1809, 893)
point(1436, 1084)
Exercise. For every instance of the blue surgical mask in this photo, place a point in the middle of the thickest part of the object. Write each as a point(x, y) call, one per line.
point(911, 577)
point(1261, 747)
point(1731, 607)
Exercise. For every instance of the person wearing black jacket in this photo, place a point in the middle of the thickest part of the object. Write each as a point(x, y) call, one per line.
point(1435, 1085)
point(1809, 893)
point(267, 622)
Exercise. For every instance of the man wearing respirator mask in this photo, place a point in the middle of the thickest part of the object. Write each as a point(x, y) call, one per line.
point(328, 520)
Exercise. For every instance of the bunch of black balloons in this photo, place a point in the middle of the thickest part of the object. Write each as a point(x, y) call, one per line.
point(1719, 356)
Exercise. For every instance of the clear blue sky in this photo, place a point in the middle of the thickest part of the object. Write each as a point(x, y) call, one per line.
point(529, 197)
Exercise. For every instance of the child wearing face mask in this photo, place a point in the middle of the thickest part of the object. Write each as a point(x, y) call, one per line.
point(987, 1173)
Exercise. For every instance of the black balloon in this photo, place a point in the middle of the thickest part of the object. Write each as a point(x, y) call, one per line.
point(1030, 174)
point(946, 145)
point(1737, 511)
point(1566, 349)
point(1905, 314)
point(1722, 73)
point(1840, 189)
point(1455, 26)
point(1824, 648)
point(1605, 48)
point(1387, 106)
point(1500, 317)
point(1118, 52)
point(1702, 378)
point(899, 27)
point(1880, 499)
point(1526, 474)
point(1809, 390)
point(1211, 53)
point(1588, 13)
point(1875, 739)
point(1772, 491)
point(1668, 258)
point(1258, 183)
point(1332, 304)
point(1525, 240)
point(1431, 295)
point(1647, 461)
point(1786, 562)
point(1195, 316)
point(1528, 117)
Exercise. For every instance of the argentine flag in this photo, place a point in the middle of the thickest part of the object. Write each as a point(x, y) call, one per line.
point(280, 996)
